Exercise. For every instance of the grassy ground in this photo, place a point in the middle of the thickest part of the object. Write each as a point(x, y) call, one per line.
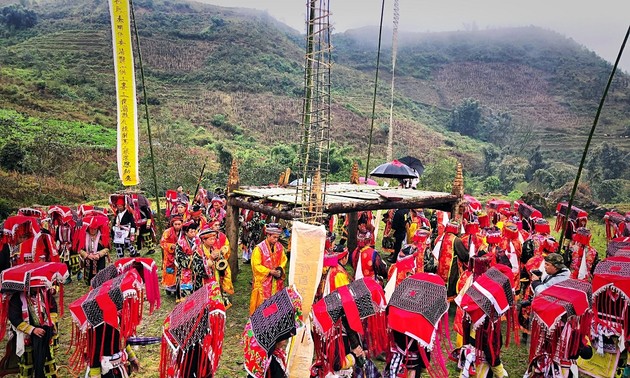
point(515, 357)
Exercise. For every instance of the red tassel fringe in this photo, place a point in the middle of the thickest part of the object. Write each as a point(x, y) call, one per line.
point(4, 314)
point(211, 345)
point(377, 338)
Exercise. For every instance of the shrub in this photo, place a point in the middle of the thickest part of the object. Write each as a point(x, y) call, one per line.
point(613, 191)
point(491, 184)
point(17, 17)
point(12, 156)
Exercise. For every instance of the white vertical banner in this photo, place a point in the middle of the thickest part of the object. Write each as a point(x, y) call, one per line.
point(127, 140)
point(305, 271)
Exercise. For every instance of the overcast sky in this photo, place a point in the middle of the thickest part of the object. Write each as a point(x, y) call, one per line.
point(599, 25)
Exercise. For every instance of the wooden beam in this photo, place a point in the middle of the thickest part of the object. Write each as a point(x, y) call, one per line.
point(444, 203)
point(262, 208)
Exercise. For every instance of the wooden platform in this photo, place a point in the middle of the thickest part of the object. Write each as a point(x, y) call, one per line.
point(339, 198)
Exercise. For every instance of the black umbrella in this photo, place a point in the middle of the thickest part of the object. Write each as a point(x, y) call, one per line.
point(394, 169)
point(413, 163)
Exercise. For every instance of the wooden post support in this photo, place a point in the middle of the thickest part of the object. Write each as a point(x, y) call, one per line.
point(287, 176)
point(353, 225)
point(231, 221)
point(354, 174)
point(457, 211)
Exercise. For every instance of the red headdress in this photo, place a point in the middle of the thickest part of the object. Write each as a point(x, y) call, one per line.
point(21, 278)
point(40, 247)
point(481, 263)
point(506, 212)
point(611, 297)
point(120, 199)
point(31, 212)
point(62, 214)
point(493, 236)
point(561, 319)
point(275, 320)
point(582, 236)
point(542, 226)
point(510, 231)
point(471, 228)
point(95, 221)
point(171, 202)
point(526, 211)
point(488, 298)
point(116, 303)
point(472, 202)
point(174, 218)
point(550, 245)
point(361, 300)
point(484, 220)
point(20, 225)
point(615, 224)
point(617, 244)
point(421, 236)
point(498, 205)
point(88, 210)
point(417, 308)
point(453, 228)
point(196, 211)
point(575, 214)
point(147, 268)
point(194, 330)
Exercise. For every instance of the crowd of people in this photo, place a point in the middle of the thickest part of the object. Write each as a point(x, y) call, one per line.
point(493, 264)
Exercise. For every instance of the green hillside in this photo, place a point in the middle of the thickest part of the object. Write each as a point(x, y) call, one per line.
point(226, 83)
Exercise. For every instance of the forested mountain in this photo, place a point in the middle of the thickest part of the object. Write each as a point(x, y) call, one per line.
point(514, 105)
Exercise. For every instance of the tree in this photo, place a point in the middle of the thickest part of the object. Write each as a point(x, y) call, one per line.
point(284, 154)
point(224, 157)
point(497, 128)
point(466, 118)
point(511, 171)
point(536, 162)
point(613, 191)
point(562, 174)
point(542, 180)
point(339, 162)
point(607, 162)
point(17, 17)
point(439, 175)
point(491, 184)
point(491, 157)
point(12, 156)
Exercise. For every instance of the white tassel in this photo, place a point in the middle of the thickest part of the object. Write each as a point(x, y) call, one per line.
point(583, 272)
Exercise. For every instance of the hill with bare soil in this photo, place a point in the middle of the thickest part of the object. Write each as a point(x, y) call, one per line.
point(225, 83)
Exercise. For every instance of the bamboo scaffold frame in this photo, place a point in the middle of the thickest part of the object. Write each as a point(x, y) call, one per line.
point(316, 116)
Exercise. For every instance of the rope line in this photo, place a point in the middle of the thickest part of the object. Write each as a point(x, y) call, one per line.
point(378, 61)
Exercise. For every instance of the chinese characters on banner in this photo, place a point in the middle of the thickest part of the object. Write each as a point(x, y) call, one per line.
point(127, 147)
point(305, 271)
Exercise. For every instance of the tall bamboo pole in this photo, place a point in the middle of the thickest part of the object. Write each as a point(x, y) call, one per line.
point(146, 113)
point(590, 137)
